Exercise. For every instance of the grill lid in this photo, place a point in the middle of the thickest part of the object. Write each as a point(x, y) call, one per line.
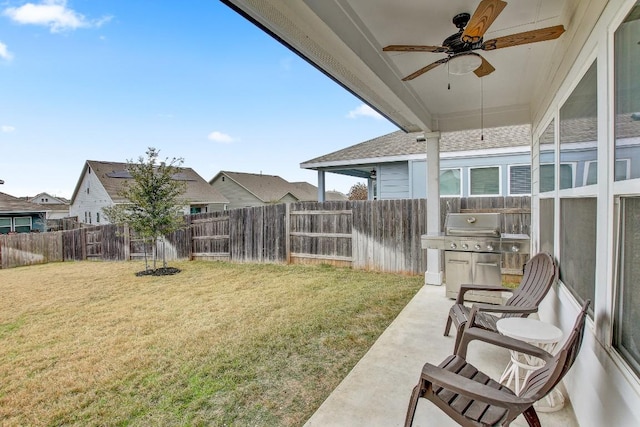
point(472, 224)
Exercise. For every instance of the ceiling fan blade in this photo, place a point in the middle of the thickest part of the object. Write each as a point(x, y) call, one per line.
point(533, 36)
point(423, 70)
point(413, 48)
point(486, 12)
point(484, 69)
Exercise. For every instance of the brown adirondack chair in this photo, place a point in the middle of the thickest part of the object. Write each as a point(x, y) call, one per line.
point(539, 274)
point(471, 398)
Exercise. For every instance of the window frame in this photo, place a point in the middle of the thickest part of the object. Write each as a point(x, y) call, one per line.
point(509, 168)
point(460, 184)
point(500, 189)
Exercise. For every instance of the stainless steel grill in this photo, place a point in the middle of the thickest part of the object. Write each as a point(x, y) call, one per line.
point(473, 246)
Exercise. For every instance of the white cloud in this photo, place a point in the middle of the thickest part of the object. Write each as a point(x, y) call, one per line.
point(7, 128)
point(53, 14)
point(364, 111)
point(220, 137)
point(4, 52)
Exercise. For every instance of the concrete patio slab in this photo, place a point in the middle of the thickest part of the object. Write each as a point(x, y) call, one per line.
point(376, 392)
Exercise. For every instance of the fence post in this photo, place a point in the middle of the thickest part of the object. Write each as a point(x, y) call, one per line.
point(127, 242)
point(287, 233)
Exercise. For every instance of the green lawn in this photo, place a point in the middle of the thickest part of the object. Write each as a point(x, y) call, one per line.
point(89, 343)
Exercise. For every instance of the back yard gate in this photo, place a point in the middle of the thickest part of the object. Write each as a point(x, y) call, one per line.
point(382, 235)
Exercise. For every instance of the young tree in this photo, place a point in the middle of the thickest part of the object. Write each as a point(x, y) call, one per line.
point(154, 207)
point(358, 191)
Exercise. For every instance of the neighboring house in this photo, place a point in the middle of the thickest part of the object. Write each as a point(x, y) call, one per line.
point(249, 189)
point(312, 190)
point(56, 207)
point(19, 216)
point(491, 162)
point(100, 184)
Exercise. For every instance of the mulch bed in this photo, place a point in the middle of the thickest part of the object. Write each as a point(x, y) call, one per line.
point(163, 271)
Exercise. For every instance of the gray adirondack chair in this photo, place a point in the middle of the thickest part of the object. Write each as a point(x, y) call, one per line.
point(540, 272)
point(471, 398)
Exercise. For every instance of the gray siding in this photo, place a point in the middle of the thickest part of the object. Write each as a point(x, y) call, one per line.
point(393, 181)
point(238, 196)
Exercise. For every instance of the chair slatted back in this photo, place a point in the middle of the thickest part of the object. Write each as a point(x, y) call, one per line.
point(543, 380)
point(539, 274)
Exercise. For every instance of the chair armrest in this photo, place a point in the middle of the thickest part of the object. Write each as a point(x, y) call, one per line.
point(466, 287)
point(470, 388)
point(504, 308)
point(472, 334)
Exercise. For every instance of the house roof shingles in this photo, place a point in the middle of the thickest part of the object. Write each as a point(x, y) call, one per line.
point(400, 143)
point(113, 175)
point(267, 188)
point(10, 204)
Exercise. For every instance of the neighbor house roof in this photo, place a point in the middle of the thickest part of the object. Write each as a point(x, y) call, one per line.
point(267, 188)
point(10, 204)
point(399, 144)
point(113, 175)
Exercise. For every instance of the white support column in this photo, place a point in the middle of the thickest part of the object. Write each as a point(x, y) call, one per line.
point(433, 275)
point(321, 189)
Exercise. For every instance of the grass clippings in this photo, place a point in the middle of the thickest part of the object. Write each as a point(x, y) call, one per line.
point(220, 344)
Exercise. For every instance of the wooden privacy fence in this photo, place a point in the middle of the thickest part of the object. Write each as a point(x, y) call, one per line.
point(381, 235)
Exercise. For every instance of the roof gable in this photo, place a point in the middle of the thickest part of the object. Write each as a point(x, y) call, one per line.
point(114, 175)
point(266, 188)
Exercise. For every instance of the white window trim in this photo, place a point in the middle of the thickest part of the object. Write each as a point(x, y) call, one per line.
point(451, 169)
point(585, 174)
point(500, 191)
point(509, 180)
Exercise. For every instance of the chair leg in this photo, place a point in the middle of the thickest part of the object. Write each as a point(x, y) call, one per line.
point(448, 326)
point(532, 417)
point(413, 403)
point(458, 337)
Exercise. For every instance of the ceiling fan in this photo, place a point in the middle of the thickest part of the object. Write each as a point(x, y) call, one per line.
point(460, 46)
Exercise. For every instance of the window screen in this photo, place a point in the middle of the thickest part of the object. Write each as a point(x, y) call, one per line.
point(578, 246)
point(520, 179)
point(484, 181)
point(627, 317)
point(450, 182)
point(22, 224)
point(5, 225)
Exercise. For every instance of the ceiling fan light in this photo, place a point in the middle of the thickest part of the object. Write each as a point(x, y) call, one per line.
point(464, 63)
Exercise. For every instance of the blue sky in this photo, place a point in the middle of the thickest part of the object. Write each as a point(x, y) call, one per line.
point(105, 79)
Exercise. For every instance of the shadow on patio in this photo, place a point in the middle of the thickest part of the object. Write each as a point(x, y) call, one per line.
point(376, 392)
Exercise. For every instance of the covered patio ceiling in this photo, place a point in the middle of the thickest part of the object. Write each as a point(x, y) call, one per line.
point(345, 40)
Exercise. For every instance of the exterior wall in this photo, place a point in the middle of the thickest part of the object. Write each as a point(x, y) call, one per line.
point(238, 197)
point(288, 199)
point(91, 199)
point(403, 180)
point(603, 388)
point(57, 214)
point(393, 181)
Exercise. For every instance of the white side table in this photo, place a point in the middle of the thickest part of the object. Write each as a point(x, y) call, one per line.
point(520, 367)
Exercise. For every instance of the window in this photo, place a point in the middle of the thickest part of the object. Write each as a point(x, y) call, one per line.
point(484, 181)
point(547, 222)
point(5, 225)
point(579, 125)
point(86, 217)
point(97, 216)
point(578, 246)
point(627, 313)
point(450, 182)
point(22, 224)
point(591, 173)
point(520, 180)
point(627, 92)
